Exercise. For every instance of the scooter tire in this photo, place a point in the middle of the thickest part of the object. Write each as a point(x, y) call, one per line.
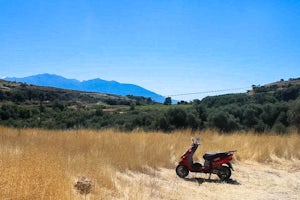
point(182, 171)
point(224, 173)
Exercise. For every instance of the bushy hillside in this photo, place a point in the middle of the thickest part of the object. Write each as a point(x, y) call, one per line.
point(274, 107)
point(23, 105)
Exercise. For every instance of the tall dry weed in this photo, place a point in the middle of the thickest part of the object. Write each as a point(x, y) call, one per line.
point(252, 146)
point(41, 164)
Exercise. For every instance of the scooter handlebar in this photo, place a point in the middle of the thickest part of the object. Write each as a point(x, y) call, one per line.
point(197, 141)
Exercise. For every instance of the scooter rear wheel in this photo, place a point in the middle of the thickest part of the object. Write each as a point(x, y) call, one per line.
point(224, 173)
point(182, 171)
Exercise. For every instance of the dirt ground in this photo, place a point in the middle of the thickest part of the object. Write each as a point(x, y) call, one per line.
point(250, 180)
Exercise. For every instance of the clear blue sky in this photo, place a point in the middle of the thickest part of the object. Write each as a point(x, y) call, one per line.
point(167, 46)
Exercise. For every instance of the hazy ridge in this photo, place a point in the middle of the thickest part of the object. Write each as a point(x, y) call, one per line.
point(93, 85)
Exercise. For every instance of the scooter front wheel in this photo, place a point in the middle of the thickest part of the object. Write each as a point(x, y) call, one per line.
point(182, 171)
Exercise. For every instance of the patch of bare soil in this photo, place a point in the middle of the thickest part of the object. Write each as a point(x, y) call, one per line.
point(250, 180)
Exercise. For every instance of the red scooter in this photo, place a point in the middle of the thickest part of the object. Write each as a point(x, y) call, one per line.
point(214, 163)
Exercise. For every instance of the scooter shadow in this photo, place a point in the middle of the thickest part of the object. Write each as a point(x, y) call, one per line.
point(204, 180)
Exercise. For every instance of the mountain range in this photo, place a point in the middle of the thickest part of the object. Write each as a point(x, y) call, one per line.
point(93, 85)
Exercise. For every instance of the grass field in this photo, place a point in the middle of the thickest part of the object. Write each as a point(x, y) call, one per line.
point(42, 164)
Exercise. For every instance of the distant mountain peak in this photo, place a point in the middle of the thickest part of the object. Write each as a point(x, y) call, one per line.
point(93, 85)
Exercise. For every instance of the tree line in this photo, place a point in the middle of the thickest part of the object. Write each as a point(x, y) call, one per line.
point(263, 109)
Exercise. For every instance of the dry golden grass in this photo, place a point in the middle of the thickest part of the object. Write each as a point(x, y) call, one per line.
point(256, 147)
point(41, 164)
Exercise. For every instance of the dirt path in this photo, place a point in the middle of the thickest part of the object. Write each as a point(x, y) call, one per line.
point(249, 181)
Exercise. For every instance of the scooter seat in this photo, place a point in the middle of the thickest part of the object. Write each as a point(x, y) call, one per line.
point(213, 155)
